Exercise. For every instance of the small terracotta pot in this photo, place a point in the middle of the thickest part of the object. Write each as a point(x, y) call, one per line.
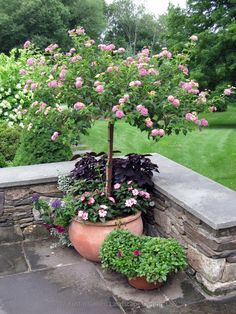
point(87, 237)
point(142, 284)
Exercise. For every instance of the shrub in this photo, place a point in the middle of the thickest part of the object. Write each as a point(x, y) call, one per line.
point(9, 141)
point(36, 148)
point(135, 256)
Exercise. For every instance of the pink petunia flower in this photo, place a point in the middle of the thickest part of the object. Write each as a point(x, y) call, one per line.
point(117, 186)
point(85, 216)
point(80, 213)
point(135, 192)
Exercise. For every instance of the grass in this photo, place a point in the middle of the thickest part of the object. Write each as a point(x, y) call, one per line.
point(211, 152)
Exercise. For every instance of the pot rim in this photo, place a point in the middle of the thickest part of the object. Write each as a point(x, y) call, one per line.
point(114, 222)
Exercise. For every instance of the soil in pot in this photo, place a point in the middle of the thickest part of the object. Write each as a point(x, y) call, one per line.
point(87, 237)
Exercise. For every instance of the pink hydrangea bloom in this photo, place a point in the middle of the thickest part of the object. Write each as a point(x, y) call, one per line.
point(85, 216)
point(204, 122)
point(91, 201)
point(80, 31)
point(22, 72)
point(99, 89)
point(78, 82)
point(121, 101)
point(145, 51)
point(142, 110)
point(126, 97)
point(75, 58)
point(161, 132)
point(34, 86)
point(97, 83)
point(120, 114)
point(228, 91)
point(62, 74)
point(110, 69)
point(171, 98)
point(26, 44)
point(53, 84)
point(135, 192)
point(156, 132)
point(137, 83)
point(102, 213)
point(54, 136)
point(82, 198)
point(176, 102)
point(79, 106)
point(149, 123)
point(115, 108)
point(143, 72)
point(121, 50)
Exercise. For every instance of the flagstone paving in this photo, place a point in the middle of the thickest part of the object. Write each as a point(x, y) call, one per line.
point(36, 279)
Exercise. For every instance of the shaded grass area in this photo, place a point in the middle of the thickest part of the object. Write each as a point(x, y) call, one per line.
point(211, 152)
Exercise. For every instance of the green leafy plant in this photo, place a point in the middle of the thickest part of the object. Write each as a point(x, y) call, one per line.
point(142, 256)
point(9, 141)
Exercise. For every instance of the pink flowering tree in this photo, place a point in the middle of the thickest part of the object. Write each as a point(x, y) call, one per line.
point(151, 92)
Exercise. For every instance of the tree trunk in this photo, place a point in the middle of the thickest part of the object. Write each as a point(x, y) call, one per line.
point(108, 189)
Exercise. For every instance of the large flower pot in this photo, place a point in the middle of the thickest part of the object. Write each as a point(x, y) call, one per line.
point(87, 237)
point(142, 284)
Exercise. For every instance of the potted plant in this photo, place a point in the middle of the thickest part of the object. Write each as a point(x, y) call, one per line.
point(87, 214)
point(146, 261)
point(91, 82)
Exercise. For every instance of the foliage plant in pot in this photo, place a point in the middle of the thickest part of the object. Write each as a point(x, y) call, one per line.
point(87, 214)
point(146, 261)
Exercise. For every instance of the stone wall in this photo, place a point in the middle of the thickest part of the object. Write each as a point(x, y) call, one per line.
point(211, 253)
point(17, 217)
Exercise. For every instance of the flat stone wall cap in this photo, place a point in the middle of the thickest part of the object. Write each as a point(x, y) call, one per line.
point(206, 199)
point(42, 173)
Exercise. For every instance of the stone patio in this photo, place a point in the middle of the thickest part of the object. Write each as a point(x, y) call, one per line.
point(35, 279)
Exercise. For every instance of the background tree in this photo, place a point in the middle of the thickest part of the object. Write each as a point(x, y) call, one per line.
point(130, 26)
point(214, 61)
point(47, 21)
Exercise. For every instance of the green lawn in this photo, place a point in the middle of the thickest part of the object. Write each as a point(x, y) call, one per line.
point(211, 152)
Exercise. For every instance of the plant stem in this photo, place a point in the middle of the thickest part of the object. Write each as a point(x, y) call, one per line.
point(108, 189)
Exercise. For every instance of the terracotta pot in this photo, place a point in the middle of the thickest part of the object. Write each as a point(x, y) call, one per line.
point(142, 284)
point(87, 237)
